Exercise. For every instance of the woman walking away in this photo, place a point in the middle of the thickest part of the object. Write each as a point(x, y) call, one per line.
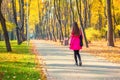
point(75, 43)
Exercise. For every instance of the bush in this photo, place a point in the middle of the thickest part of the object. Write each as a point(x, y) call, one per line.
point(92, 34)
point(117, 31)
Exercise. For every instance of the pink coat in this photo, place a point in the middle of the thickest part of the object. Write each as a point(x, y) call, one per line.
point(74, 42)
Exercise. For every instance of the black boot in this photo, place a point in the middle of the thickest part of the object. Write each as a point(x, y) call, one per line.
point(76, 64)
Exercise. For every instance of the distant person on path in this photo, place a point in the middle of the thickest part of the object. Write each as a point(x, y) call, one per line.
point(74, 43)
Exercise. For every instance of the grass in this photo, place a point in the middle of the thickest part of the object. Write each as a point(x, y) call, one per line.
point(19, 64)
point(100, 48)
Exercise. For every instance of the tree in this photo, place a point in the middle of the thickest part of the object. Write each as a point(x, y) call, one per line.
point(19, 24)
point(72, 11)
point(110, 28)
point(58, 16)
point(81, 22)
point(2, 20)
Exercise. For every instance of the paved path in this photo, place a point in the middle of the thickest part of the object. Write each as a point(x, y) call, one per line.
point(60, 64)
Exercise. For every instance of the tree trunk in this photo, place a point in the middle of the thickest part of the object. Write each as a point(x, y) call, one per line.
point(89, 14)
point(114, 21)
point(53, 30)
point(19, 26)
point(72, 11)
point(58, 16)
point(0, 36)
point(29, 3)
point(39, 15)
point(65, 15)
point(99, 26)
point(85, 13)
point(81, 23)
point(3, 24)
point(110, 28)
point(22, 35)
point(15, 20)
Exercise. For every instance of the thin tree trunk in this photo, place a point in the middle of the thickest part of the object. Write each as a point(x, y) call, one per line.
point(57, 13)
point(21, 23)
point(0, 36)
point(15, 20)
point(99, 26)
point(81, 23)
point(114, 21)
point(53, 30)
point(89, 14)
point(39, 24)
point(29, 3)
point(85, 14)
point(21, 4)
point(14, 11)
point(2, 20)
point(72, 11)
point(65, 17)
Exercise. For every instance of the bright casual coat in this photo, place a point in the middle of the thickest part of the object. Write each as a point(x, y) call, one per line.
point(74, 42)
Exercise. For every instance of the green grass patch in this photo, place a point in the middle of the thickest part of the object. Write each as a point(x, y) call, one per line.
point(19, 64)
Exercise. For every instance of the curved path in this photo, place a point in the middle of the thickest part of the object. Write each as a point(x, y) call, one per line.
point(60, 64)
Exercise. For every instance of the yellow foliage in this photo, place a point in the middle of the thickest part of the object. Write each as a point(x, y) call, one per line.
point(17, 5)
point(97, 8)
point(34, 16)
point(0, 28)
point(92, 34)
point(9, 26)
point(11, 57)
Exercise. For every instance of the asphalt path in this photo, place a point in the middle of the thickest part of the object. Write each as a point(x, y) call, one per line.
point(59, 62)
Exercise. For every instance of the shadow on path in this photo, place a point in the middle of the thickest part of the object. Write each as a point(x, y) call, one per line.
point(60, 64)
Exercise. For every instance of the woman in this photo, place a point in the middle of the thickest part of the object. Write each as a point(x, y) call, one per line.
point(75, 43)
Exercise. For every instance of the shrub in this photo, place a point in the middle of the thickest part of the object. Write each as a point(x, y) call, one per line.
point(92, 34)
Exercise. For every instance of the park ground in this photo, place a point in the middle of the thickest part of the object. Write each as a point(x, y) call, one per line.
point(18, 64)
point(22, 58)
point(100, 48)
point(58, 63)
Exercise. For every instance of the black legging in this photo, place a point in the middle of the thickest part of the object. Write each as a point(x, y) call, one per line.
point(76, 54)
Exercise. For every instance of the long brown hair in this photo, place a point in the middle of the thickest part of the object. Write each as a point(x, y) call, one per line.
point(75, 29)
